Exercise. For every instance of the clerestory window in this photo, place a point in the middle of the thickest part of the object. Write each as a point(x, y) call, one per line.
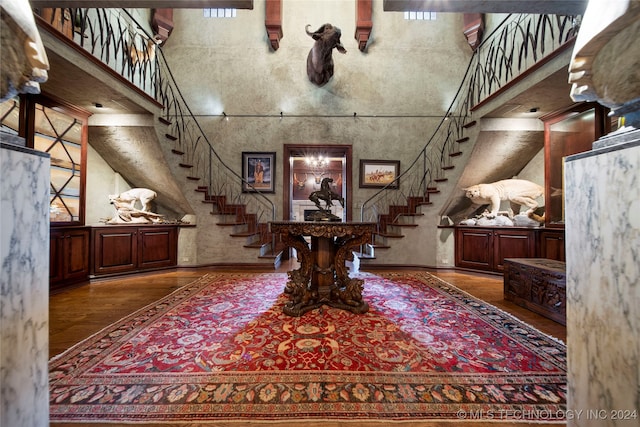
point(219, 12)
point(420, 16)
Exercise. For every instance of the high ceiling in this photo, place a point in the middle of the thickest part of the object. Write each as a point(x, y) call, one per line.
point(144, 4)
point(562, 7)
point(559, 7)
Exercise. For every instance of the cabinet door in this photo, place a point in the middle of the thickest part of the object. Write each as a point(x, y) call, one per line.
point(512, 244)
point(76, 253)
point(552, 245)
point(157, 246)
point(56, 270)
point(68, 256)
point(115, 250)
point(474, 248)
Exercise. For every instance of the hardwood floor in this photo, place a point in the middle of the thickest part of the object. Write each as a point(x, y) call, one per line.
point(77, 313)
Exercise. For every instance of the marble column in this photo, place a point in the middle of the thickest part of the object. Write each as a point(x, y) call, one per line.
point(24, 285)
point(602, 199)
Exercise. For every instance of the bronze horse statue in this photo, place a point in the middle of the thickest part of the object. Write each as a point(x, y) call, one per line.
point(325, 194)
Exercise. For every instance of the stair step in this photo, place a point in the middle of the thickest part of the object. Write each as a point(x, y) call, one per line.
point(470, 124)
point(171, 137)
point(246, 234)
point(421, 199)
point(402, 224)
point(256, 245)
point(456, 154)
point(376, 246)
point(391, 235)
point(274, 256)
point(224, 224)
point(164, 121)
point(185, 165)
point(178, 152)
point(365, 256)
point(465, 139)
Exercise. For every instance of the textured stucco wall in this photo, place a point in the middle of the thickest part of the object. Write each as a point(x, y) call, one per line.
point(399, 88)
point(102, 180)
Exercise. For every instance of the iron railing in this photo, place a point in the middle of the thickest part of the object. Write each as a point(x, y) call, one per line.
point(116, 38)
point(517, 44)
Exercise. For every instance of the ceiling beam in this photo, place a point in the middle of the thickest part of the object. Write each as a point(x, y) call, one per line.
point(552, 7)
point(143, 4)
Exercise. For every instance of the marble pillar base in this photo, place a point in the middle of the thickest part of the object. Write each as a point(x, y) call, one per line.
point(602, 199)
point(24, 286)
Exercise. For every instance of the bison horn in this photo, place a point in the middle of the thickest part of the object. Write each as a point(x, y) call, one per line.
point(307, 30)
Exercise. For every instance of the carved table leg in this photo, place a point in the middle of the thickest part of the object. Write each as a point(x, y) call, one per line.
point(347, 292)
point(303, 295)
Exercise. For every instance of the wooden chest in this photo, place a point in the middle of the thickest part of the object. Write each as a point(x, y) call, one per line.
point(538, 284)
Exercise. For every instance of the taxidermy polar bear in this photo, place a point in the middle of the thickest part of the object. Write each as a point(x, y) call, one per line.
point(516, 191)
point(145, 196)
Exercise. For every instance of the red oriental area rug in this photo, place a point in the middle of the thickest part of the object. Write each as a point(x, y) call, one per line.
point(221, 349)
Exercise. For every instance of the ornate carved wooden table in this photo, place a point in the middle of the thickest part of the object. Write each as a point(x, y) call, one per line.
point(323, 277)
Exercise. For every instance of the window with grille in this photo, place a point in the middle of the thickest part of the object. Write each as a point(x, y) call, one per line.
point(219, 12)
point(420, 16)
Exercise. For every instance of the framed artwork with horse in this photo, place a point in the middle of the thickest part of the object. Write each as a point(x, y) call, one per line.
point(258, 172)
point(379, 173)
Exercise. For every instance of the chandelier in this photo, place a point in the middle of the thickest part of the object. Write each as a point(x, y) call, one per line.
point(317, 165)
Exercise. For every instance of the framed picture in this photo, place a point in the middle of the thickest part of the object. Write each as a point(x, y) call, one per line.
point(258, 171)
point(379, 173)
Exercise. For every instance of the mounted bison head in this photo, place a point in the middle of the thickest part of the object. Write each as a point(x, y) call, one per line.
point(319, 61)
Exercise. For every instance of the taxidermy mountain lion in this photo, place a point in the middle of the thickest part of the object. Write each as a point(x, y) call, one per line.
point(516, 191)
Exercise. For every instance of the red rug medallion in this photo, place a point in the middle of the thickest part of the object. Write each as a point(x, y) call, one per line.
point(221, 349)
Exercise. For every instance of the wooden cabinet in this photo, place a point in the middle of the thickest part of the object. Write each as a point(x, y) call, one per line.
point(551, 244)
point(566, 132)
point(485, 248)
point(124, 249)
point(68, 256)
point(61, 130)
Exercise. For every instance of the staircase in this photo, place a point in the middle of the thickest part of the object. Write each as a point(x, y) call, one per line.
point(518, 44)
point(237, 212)
point(402, 214)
